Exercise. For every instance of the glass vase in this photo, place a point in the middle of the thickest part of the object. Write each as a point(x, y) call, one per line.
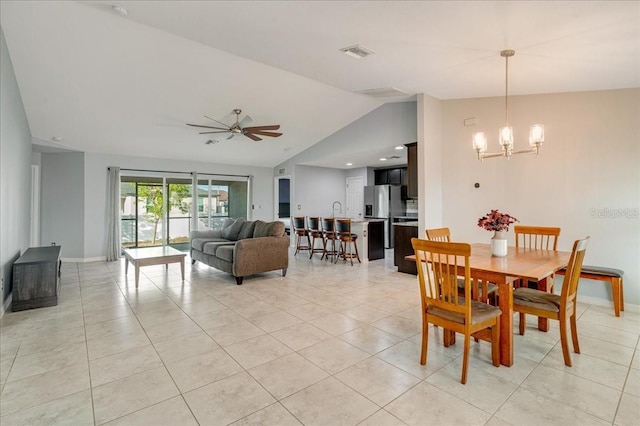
point(499, 244)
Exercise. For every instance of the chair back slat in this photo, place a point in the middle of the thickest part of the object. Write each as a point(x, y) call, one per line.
point(572, 276)
point(328, 224)
point(298, 222)
point(438, 234)
point(314, 224)
point(537, 237)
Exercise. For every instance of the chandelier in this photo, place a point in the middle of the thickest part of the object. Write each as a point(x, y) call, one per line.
point(505, 134)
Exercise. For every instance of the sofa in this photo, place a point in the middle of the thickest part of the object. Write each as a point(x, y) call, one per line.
point(241, 247)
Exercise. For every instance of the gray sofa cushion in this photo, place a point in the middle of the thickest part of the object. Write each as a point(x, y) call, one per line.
point(231, 232)
point(247, 230)
point(225, 253)
point(212, 247)
point(199, 243)
point(268, 229)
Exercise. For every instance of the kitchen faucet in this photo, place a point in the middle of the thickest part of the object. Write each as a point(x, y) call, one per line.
point(333, 208)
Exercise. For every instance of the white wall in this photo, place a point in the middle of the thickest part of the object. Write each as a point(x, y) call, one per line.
point(589, 162)
point(95, 187)
point(15, 173)
point(316, 188)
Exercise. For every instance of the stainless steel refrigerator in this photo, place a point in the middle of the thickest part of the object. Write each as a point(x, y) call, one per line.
point(384, 202)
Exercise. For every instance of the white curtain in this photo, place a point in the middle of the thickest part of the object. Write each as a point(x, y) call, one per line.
point(194, 201)
point(113, 214)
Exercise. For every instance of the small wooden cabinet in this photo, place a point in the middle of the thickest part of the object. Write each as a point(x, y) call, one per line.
point(403, 232)
point(36, 278)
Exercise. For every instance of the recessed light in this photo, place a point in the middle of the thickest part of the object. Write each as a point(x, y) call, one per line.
point(383, 159)
point(349, 164)
point(120, 10)
point(56, 139)
point(399, 147)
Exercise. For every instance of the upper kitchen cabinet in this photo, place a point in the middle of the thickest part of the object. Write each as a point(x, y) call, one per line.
point(412, 170)
point(396, 176)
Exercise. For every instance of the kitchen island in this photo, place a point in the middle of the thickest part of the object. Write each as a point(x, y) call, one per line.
point(370, 240)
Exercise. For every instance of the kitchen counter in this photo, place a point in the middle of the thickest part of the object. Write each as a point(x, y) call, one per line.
point(403, 247)
point(406, 224)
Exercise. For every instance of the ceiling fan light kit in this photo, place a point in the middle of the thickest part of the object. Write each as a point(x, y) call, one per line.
point(505, 134)
point(238, 128)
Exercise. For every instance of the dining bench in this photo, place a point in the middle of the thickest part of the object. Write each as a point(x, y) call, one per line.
point(612, 276)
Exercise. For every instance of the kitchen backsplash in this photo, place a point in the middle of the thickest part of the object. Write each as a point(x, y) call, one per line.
point(412, 207)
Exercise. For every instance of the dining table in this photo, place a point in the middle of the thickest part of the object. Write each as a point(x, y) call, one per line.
point(525, 263)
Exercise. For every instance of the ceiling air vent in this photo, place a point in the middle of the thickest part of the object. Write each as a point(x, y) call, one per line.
point(282, 171)
point(357, 51)
point(383, 92)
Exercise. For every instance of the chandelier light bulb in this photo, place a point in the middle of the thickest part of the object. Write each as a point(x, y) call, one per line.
point(479, 142)
point(536, 134)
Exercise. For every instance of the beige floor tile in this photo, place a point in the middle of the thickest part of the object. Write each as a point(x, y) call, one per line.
point(370, 339)
point(423, 404)
point(608, 351)
point(309, 311)
point(287, 375)
point(589, 367)
point(377, 380)
point(336, 323)
point(527, 408)
point(184, 347)
point(45, 387)
point(227, 335)
point(329, 402)
point(171, 329)
point(582, 394)
point(275, 321)
point(365, 313)
point(130, 394)
point(256, 351)
point(228, 400)
point(275, 414)
point(171, 412)
point(115, 343)
point(382, 418)
point(107, 314)
point(55, 340)
point(333, 355)
point(406, 356)
point(632, 386)
point(127, 324)
point(42, 362)
point(123, 364)
point(607, 334)
point(628, 411)
point(200, 370)
point(74, 409)
point(399, 326)
point(301, 336)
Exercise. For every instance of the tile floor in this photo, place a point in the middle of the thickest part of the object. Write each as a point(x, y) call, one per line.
point(327, 345)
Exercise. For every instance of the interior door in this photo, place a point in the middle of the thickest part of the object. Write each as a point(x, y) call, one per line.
point(355, 197)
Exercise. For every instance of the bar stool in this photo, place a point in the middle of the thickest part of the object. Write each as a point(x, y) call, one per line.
point(300, 232)
point(329, 236)
point(343, 230)
point(315, 231)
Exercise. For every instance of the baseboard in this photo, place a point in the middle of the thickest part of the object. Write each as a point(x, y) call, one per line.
point(83, 260)
point(5, 306)
point(596, 301)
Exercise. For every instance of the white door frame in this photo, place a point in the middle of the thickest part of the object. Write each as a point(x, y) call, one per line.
point(34, 239)
point(354, 181)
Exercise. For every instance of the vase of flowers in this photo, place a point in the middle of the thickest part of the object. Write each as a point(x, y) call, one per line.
point(497, 222)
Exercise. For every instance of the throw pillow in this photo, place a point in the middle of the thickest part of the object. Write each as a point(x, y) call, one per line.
point(231, 232)
point(247, 230)
point(268, 229)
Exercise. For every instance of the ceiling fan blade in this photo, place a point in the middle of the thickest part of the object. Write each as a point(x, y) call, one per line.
point(207, 127)
point(218, 131)
point(251, 136)
point(271, 127)
point(219, 122)
point(262, 133)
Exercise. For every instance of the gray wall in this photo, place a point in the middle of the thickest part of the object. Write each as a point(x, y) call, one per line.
point(15, 172)
point(62, 202)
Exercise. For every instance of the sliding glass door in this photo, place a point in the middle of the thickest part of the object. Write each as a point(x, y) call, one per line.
point(157, 211)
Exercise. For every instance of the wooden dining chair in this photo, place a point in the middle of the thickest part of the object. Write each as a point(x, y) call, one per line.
point(314, 229)
point(301, 233)
point(348, 241)
point(560, 307)
point(537, 238)
point(482, 290)
point(439, 264)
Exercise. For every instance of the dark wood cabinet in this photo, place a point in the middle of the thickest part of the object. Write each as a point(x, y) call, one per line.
point(412, 170)
point(381, 177)
point(375, 239)
point(36, 278)
point(402, 247)
point(395, 176)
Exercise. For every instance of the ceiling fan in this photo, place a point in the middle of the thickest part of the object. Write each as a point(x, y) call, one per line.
point(238, 128)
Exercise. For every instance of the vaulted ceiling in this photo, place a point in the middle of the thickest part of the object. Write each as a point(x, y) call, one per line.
point(127, 84)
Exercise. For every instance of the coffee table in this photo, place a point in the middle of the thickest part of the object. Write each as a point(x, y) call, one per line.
point(153, 256)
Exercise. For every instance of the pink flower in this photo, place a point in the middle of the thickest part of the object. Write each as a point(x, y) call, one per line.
point(496, 221)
